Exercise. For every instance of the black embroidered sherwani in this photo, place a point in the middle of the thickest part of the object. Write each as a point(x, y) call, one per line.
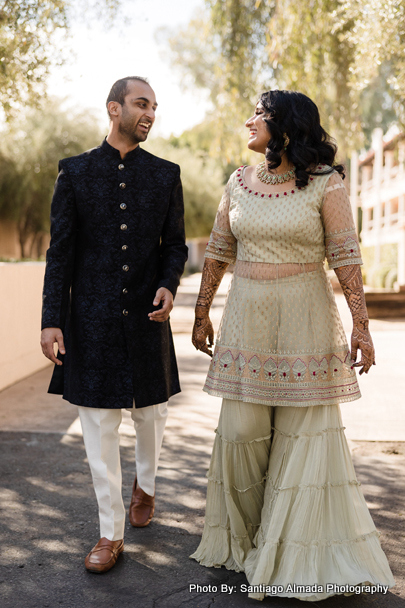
point(117, 235)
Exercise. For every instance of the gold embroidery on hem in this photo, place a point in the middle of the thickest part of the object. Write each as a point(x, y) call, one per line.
point(278, 398)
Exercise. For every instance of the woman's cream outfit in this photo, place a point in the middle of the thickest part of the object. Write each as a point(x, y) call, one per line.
point(283, 502)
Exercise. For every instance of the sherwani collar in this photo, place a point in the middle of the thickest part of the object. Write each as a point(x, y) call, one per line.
point(114, 153)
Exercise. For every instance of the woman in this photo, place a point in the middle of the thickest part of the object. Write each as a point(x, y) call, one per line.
point(283, 502)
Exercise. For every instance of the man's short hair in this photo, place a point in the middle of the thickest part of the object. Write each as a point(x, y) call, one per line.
point(119, 89)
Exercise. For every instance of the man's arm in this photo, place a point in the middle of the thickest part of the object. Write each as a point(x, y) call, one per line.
point(173, 253)
point(59, 266)
point(173, 249)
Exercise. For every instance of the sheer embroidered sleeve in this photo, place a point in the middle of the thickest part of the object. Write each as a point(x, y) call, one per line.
point(341, 242)
point(222, 243)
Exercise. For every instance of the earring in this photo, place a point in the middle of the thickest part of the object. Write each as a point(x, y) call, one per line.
point(286, 140)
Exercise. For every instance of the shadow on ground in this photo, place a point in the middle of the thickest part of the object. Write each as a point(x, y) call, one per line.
point(49, 523)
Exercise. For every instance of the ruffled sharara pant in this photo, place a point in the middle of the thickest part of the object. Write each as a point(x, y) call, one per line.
point(284, 504)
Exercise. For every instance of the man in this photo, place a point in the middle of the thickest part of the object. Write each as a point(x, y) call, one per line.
point(116, 256)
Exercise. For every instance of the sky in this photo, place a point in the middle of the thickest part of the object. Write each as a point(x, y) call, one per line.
point(104, 54)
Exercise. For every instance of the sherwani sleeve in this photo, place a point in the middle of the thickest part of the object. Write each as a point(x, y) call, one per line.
point(173, 249)
point(60, 255)
point(341, 242)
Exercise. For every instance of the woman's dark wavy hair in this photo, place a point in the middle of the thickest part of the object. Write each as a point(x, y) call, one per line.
point(296, 115)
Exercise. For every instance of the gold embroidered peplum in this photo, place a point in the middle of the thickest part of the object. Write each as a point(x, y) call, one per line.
point(281, 340)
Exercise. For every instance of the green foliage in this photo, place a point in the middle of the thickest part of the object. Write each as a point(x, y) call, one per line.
point(382, 274)
point(29, 152)
point(9, 188)
point(222, 54)
point(26, 27)
point(310, 52)
point(377, 103)
point(348, 56)
point(202, 141)
point(30, 43)
point(378, 35)
point(202, 181)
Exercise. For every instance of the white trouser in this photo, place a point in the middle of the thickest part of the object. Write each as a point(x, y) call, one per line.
point(101, 440)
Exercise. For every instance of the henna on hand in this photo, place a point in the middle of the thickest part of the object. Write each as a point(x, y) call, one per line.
point(201, 331)
point(361, 339)
point(212, 275)
point(351, 282)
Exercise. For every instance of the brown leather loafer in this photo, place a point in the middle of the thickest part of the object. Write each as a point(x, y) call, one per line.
point(103, 556)
point(142, 507)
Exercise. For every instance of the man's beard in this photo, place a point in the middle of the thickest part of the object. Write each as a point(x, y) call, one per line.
point(127, 128)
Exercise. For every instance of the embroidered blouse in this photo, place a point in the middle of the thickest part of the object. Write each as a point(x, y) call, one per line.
point(281, 340)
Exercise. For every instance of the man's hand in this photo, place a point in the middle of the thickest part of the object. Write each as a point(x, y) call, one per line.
point(165, 296)
point(49, 336)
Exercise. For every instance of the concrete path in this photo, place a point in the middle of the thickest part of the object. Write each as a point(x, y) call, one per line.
point(48, 516)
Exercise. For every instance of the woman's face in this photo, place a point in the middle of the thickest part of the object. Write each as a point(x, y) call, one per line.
point(258, 133)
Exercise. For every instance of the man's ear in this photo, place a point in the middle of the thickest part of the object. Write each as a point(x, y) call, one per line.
point(113, 108)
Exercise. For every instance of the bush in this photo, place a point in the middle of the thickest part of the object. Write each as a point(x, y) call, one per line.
point(202, 184)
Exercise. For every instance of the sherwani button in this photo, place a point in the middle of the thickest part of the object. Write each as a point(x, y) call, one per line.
point(125, 312)
point(125, 268)
point(123, 206)
point(122, 186)
point(124, 226)
point(124, 247)
point(121, 167)
point(125, 290)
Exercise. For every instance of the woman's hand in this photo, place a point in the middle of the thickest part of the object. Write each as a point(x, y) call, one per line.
point(361, 340)
point(352, 284)
point(201, 331)
point(212, 274)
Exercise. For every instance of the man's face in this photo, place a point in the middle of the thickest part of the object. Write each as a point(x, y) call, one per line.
point(138, 111)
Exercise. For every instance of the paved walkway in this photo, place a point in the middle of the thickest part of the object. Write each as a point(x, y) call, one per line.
point(48, 515)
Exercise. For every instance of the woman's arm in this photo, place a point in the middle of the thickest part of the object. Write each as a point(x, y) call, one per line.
point(352, 284)
point(212, 275)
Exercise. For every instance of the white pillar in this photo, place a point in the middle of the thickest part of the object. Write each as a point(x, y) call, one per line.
point(401, 260)
point(388, 164)
point(401, 219)
point(192, 253)
point(401, 157)
point(377, 146)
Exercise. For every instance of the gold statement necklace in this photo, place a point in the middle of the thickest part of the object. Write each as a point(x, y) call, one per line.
point(271, 178)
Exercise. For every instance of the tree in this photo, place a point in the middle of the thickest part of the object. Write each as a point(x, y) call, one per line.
point(222, 53)
point(202, 181)
point(332, 50)
point(336, 51)
point(377, 103)
point(378, 34)
point(9, 188)
point(30, 32)
point(30, 149)
point(310, 52)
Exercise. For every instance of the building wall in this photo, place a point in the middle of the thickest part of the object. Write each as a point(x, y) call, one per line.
point(378, 189)
point(20, 321)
